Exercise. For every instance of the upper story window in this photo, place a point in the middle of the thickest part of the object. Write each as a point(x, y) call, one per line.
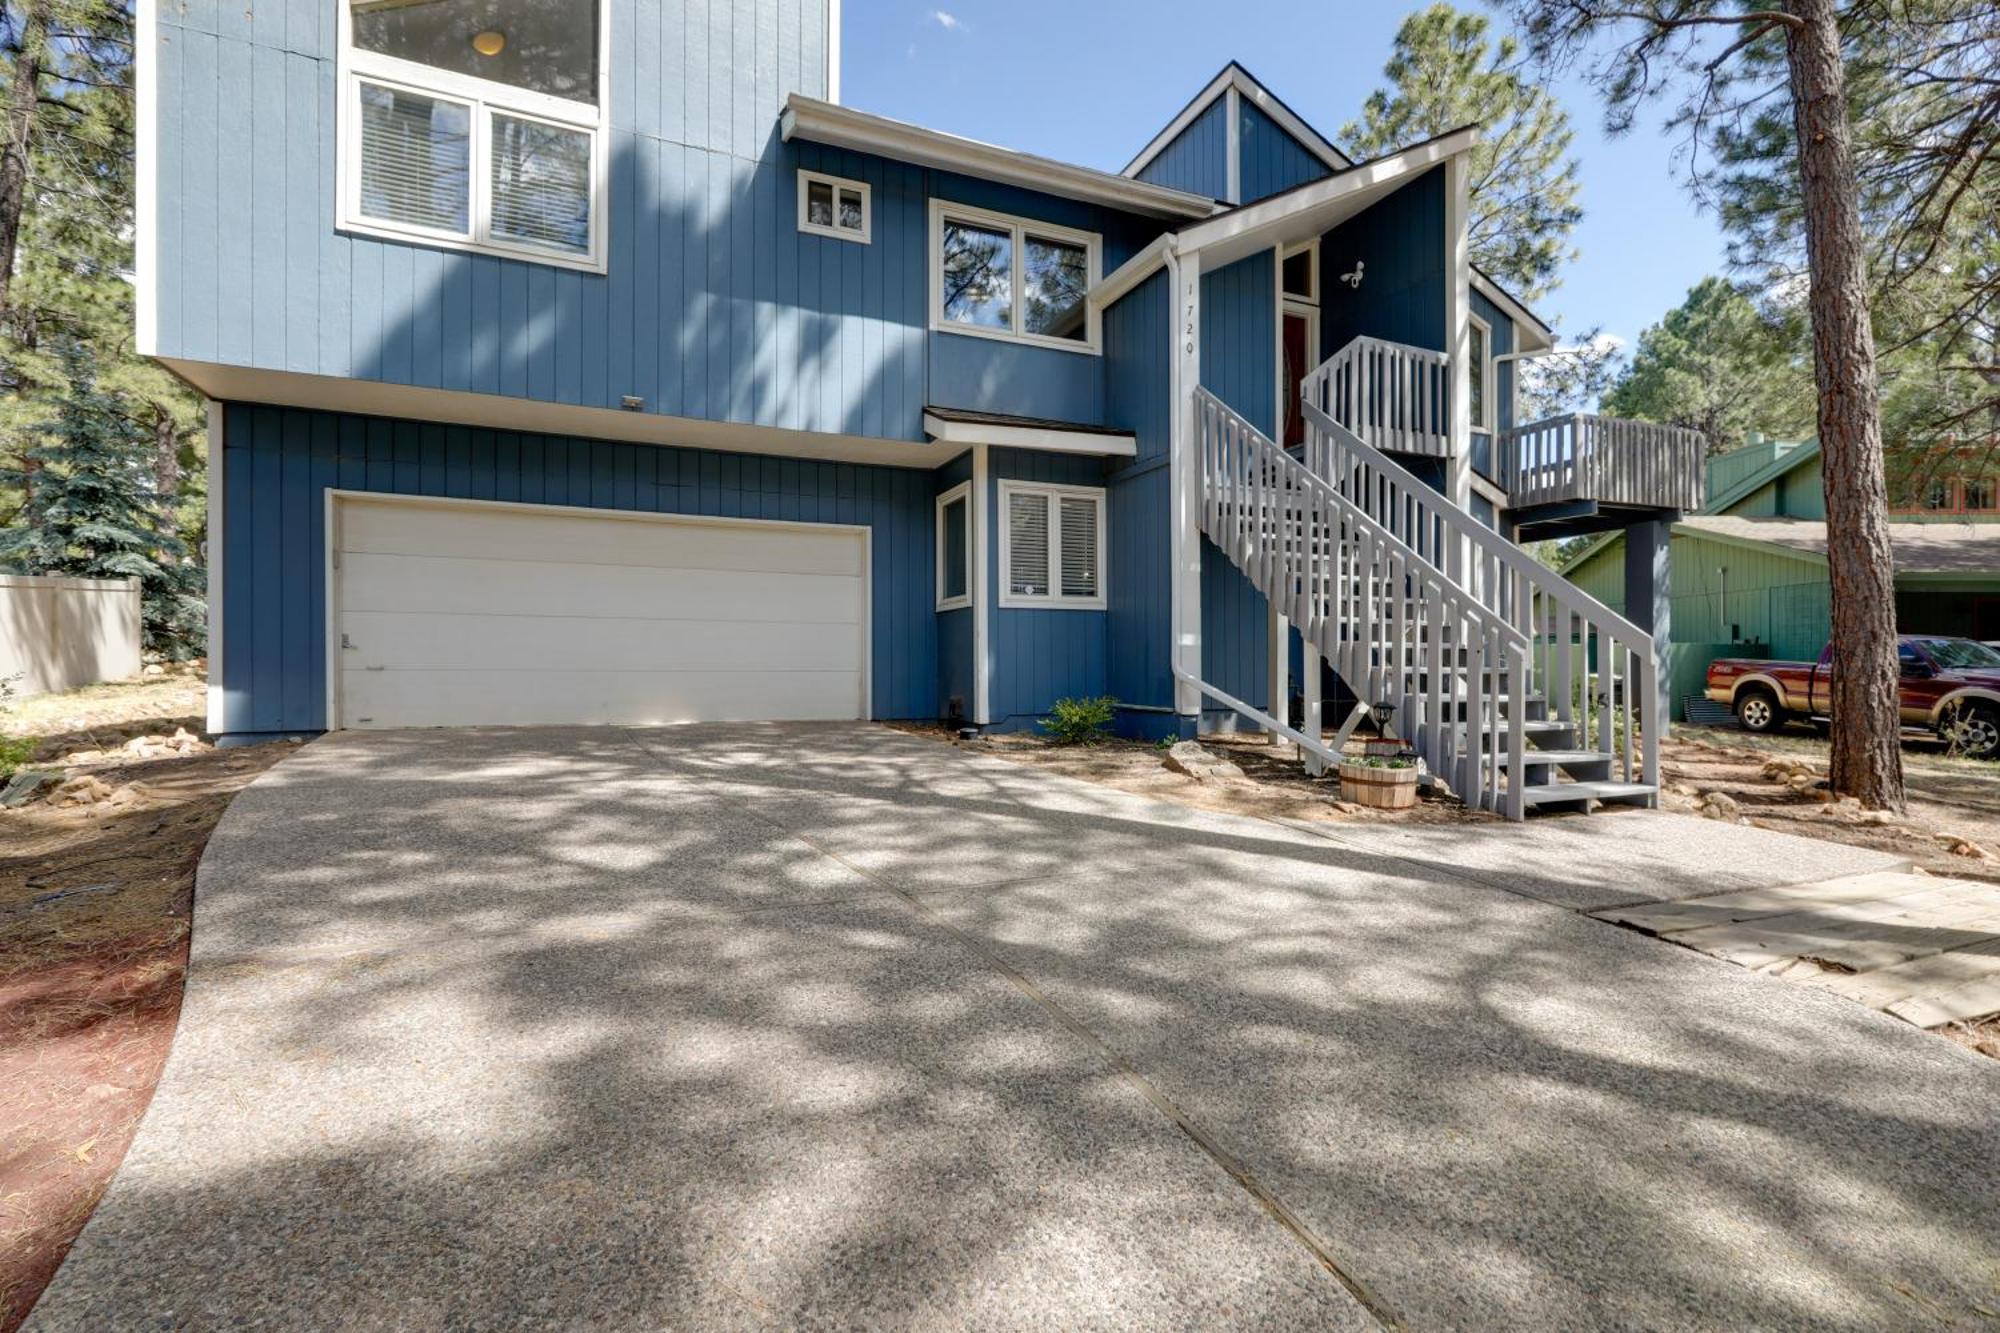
point(1481, 364)
point(1299, 273)
point(997, 276)
point(475, 125)
point(830, 206)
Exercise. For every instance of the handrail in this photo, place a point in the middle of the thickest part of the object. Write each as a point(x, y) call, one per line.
point(1596, 697)
point(1383, 614)
point(1393, 395)
point(1580, 456)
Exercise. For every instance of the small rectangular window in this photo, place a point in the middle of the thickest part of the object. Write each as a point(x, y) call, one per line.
point(1480, 371)
point(1982, 493)
point(1300, 273)
point(954, 548)
point(1005, 277)
point(415, 151)
point(541, 184)
point(1052, 545)
point(830, 206)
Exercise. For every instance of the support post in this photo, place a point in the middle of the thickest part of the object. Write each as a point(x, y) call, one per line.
point(1279, 632)
point(1312, 723)
point(1185, 485)
point(1649, 602)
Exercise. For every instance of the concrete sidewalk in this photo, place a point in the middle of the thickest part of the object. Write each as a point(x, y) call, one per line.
point(780, 1025)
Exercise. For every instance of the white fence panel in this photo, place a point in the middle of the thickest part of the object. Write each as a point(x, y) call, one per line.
point(59, 633)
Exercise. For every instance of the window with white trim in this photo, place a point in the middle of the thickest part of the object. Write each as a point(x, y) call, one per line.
point(475, 125)
point(1052, 545)
point(1481, 364)
point(1298, 272)
point(996, 276)
point(954, 548)
point(833, 206)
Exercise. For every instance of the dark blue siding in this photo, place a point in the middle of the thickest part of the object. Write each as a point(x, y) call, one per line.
point(1270, 159)
point(1405, 284)
point(1039, 655)
point(278, 463)
point(1198, 160)
point(715, 305)
point(1139, 398)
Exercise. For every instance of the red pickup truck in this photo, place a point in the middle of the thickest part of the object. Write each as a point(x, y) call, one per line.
point(1948, 685)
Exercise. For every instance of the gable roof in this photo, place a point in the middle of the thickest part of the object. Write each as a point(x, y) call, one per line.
point(1915, 548)
point(1787, 460)
point(1233, 75)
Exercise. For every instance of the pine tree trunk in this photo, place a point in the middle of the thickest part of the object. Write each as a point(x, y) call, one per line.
point(1867, 758)
point(24, 89)
point(166, 458)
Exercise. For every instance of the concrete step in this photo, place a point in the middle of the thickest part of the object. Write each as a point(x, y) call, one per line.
point(1565, 758)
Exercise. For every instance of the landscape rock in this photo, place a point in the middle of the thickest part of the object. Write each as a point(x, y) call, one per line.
point(1200, 763)
point(25, 785)
point(1719, 805)
point(83, 789)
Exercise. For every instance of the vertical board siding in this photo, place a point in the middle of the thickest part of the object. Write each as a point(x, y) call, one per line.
point(1198, 158)
point(1139, 398)
point(278, 463)
point(1270, 159)
point(1404, 285)
point(715, 305)
point(1040, 654)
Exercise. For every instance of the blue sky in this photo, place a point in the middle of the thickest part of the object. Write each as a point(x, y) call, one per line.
point(1090, 81)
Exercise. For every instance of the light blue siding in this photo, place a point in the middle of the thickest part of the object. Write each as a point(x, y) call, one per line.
point(715, 305)
point(1270, 159)
point(1198, 159)
point(278, 463)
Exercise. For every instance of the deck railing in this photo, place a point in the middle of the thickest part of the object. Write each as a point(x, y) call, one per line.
point(1606, 459)
point(1396, 397)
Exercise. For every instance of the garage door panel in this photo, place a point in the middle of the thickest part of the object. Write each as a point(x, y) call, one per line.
point(428, 584)
point(462, 615)
point(466, 533)
point(496, 697)
point(435, 642)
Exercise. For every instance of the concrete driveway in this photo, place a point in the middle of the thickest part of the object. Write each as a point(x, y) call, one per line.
point(755, 1025)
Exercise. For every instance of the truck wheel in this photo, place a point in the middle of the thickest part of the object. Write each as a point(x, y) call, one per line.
point(1975, 729)
point(1757, 710)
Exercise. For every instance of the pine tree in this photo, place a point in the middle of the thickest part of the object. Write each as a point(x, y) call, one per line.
point(93, 511)
point(1445, 73)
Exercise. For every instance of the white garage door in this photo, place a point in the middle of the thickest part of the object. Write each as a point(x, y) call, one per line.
point(466, 614)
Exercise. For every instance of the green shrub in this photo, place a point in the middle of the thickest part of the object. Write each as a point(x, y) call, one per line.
point(1080, 721)
point(14, 752)
point(1379, 761)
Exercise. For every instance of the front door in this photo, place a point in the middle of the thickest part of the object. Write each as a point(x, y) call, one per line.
point(1299, 338)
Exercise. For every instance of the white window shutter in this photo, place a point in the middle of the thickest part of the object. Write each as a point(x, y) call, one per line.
point(1079, 546)
point(1028, 545)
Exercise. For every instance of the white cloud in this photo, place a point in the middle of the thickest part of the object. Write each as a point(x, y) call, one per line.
point(945, 19)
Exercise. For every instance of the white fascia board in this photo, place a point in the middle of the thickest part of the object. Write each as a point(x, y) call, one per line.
point(1534, 336)
point(1236, 77)
point(1120, 281)
point(1310, 209)
point(823, 122)
point(455, 407)
point(960, 434)
point(833, 51)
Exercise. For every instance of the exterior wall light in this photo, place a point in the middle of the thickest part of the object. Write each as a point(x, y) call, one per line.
point(490, 42)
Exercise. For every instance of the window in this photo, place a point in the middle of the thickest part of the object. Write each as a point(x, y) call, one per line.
point(1300, 273)
point(1052, 545)
point(954, 548)
point(1003, 277)
point(1482, 374)
point(830, 206)
point(1982, 493)
point(1937, 495)
point(475, 125)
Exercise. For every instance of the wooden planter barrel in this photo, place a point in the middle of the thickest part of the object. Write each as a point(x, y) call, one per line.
point(1376, 747)
point(1379, 788)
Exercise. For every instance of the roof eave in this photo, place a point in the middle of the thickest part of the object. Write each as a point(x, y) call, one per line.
point(842, 127)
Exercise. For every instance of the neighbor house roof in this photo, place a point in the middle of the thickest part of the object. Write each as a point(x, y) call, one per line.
point(823, 122)
point(1916, 548)
point(1787, 461)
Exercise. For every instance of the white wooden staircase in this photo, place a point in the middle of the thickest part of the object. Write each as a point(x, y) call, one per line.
point(1516, 688)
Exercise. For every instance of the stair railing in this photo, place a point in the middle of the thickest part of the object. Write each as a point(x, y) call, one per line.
point(1392, 395)
point(1594, 667)
point(1364, 600)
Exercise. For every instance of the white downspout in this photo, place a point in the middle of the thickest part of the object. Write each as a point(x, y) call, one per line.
point(1184, 536)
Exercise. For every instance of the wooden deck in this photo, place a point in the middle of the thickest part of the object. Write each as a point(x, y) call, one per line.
point(1921, 947)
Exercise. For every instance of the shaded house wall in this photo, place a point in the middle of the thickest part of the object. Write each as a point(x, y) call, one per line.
point(1198, 158)
point(277, 464)
point(715, 306)
point(1269, 159)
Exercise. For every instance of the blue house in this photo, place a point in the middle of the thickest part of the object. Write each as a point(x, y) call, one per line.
point(588, 361)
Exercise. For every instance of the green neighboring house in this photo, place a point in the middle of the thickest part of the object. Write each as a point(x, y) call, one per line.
point(1749, 569)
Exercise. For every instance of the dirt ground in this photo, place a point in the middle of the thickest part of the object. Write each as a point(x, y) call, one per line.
point(1952, 825)
point(95, 892)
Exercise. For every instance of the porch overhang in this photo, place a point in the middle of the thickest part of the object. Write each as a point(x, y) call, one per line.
point(961, 427)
